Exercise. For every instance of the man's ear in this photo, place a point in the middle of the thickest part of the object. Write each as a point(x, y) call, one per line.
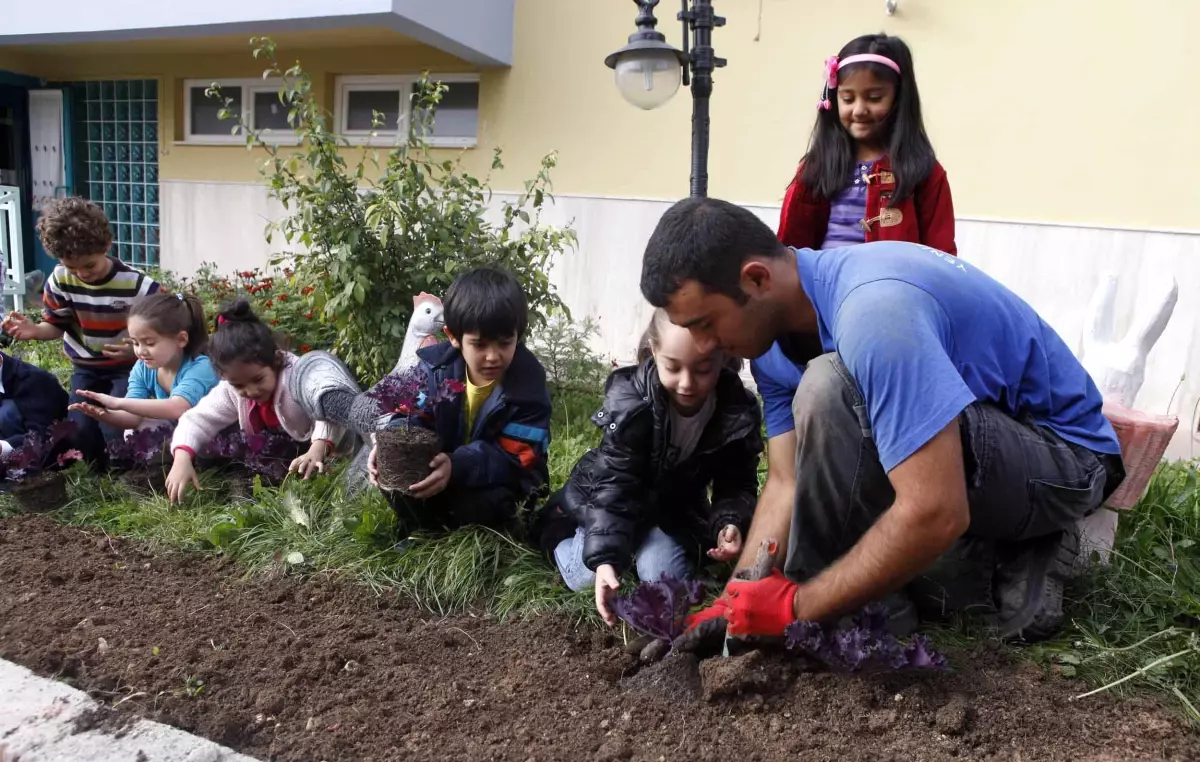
point(756, 278)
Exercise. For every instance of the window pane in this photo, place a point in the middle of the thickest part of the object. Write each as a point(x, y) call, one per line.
point(360, 105)
point(205, 110)
point(269, 113)
point(458, 114)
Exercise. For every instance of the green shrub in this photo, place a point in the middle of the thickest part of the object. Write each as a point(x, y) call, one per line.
point(368, 241)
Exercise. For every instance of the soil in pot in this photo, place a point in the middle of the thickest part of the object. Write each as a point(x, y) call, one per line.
point(403, 454)
point(42, 493)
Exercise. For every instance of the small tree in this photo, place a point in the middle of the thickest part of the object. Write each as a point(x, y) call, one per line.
point(373, 240)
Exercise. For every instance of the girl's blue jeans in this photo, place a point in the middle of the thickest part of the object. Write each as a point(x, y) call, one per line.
point(658, 554)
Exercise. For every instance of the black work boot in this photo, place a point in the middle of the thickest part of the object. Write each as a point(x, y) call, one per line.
point(1029, 585)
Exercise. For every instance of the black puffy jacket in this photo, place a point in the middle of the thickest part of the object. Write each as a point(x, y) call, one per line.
point(623, 488)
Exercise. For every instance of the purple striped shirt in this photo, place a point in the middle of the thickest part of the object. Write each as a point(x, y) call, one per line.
point(846, 210)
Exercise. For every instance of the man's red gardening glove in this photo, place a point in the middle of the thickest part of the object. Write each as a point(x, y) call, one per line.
point(718, 610)
point(705, 630)
point(762, 607)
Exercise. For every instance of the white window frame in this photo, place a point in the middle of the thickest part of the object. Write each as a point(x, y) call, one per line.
point(385, 135)
point(248, 88)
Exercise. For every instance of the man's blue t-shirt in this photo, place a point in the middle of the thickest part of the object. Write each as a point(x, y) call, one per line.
point(924, 334)
point(194, 379)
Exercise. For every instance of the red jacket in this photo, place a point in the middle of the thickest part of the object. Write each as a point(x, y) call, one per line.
point(925, 217)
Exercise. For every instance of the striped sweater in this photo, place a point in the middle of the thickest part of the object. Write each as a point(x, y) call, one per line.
point(94, 314)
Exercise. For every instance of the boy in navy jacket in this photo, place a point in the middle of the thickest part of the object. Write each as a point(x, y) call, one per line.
point(30, 400)
point(495, 434)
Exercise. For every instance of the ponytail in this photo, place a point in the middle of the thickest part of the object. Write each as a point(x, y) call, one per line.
point(242, 337)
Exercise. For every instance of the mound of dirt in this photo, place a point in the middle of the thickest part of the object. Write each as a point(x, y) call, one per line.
point(288, 670)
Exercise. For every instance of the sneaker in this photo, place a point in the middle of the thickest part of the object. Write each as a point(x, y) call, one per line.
point(1029, 586)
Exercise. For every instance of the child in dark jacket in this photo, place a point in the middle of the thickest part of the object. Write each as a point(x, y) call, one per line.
point(496, 433)
point(674, 425)
point(30, 400)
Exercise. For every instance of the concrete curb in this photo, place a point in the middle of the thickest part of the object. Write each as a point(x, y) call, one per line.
point(36, 725)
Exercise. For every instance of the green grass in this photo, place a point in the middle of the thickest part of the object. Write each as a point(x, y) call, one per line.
point(1138, 619)
point(314, 528)
point(1133, 625)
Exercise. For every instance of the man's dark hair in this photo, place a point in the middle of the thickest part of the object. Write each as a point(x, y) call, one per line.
point(705, 240)
point(486, 301)
point(72, 227)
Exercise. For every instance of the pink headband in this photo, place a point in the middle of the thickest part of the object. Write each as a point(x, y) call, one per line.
point(833, 65)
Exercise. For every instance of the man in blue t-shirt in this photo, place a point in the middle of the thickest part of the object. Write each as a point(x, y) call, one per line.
point(946, 439)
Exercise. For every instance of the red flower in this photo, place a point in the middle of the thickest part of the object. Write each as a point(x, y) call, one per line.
point(283, 297)
point(274, 322)
point(308, 316)
point(304, 348)
point(307, 290)
point(270, 303)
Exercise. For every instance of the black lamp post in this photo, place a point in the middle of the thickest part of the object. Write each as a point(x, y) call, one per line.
point(649, 71)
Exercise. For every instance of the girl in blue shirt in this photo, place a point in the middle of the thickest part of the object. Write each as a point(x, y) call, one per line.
point(168, 334)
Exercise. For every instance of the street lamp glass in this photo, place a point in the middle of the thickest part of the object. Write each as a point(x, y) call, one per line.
point(648, 78)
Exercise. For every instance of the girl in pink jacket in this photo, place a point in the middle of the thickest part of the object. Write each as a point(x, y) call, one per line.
point(259, 391)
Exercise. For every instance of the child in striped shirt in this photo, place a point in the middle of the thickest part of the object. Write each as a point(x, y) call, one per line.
point(86, 303)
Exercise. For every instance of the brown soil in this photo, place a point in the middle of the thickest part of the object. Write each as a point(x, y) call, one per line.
point(289, 670)
point(42, 493)
point(403, 454)
point(151, 480)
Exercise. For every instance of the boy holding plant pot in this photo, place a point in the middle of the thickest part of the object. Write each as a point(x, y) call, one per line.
point(481, 398)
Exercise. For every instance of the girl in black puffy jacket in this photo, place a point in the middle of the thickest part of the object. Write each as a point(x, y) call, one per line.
point(674, 425)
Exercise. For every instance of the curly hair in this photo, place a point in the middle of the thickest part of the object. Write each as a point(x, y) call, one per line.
point(73, 227)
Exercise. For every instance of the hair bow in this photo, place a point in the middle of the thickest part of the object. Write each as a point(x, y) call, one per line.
point(831, 82)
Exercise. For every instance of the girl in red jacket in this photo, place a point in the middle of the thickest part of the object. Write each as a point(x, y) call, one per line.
point(870, 173)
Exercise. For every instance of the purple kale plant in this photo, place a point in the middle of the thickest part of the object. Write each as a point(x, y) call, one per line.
point(405, 394)
point(659, 608)
point(268, 453)
point(144, 447)
point(865, 645)
point(39, 452)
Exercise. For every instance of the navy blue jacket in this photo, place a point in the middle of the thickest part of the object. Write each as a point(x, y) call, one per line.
point(511, 436)
point(38, 397)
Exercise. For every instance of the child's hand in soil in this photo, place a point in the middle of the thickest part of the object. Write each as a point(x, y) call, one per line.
point(436, 481)
point(103, 400)
point(313, 460)
point(182, 473)
point(607, 585)
point(20, 327)
point(729, 544)
point(88, 409)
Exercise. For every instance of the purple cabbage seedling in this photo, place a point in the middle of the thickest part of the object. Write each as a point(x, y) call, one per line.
point(865, 645)
point(658, 609)
point(405, 394)
point(141, 449)
point(39, 452)
point(268, 453)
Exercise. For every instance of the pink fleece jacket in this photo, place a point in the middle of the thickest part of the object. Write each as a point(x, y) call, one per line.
point(223, 406)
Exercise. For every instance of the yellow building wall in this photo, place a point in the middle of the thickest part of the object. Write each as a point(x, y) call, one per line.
point(1068, 111)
